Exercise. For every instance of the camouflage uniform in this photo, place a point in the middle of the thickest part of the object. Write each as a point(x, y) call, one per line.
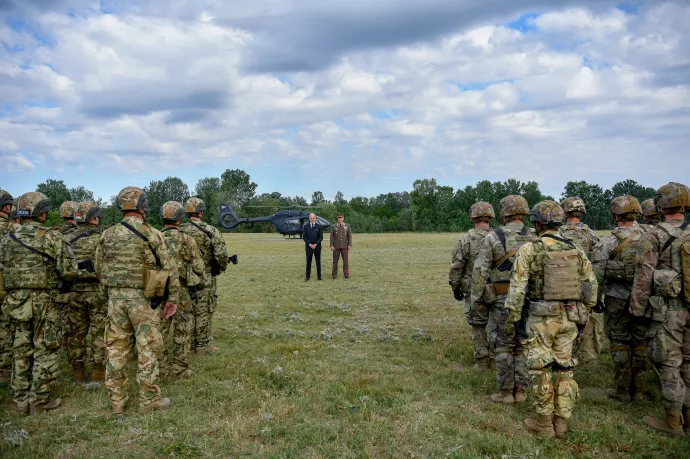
point(490, 281)
point(68, 228)
point(123, 258)
point(209, 240)
point(31, 280)
point(190, 267)
point(552, 325)
point(650, 215)
point(6, 328)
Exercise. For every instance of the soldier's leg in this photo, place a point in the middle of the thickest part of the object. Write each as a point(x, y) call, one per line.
point(5, 346)
point(47, 342)
point(586, 348)
point(346, 263)
point(164, 355)
point(334, 270)
point(23, 355)
point(617, 324)
point(202, 313)
point(478, 317)
point(212, 305)
point(505, 361)
point(181, 336)
point(541, 333)
point(98, 309)
point(145, 323)
point(565, 388)
point(118, 342)
point(640, 364)
point(77, 317)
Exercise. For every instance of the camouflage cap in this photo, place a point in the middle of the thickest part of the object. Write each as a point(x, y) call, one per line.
point(194, 206)
point(68, 209)
point(573, 204)
point(33, 204)
point(87, 211)
point(172, 211)
point(482, 209)
point(649, 209)
point(514, 205)
point(547, 212)
point(626, 205)
point(672, 195)
point(5, 198)
point(132, 198)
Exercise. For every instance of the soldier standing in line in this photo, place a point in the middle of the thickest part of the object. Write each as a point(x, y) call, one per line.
point(460, 280)
point(68, 227)
point(190, 267)
point(214, 253)
point(613, 259)
point(490, 284)
point(557, 278)
point(33, 260)
point(140, 275)
point(67, 211)
point(650, 215)
point(341, 244)
point(662, 282)
point(6, 331)
point(589, 343)
point(88, 303)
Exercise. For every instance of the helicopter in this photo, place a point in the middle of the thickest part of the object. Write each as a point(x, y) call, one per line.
point(287, 222)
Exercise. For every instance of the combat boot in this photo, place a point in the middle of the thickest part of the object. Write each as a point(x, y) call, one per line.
point(98, 374)
point(79, 372)
point(543, 425)
point(520, 395)
point(118, 410)
point(505, 397)
point(560, 426)
point(206, 350)
point(186, 374)
point(492, 364)
point(160, 404)
point(51, 405)
point(22, 408)
point(620, 393)
point(482, 364)
point(670, 425)
point(686, 421)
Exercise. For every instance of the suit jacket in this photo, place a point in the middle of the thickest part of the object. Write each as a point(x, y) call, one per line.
point(312, 236)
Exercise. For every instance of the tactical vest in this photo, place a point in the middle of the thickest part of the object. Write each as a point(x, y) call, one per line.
point(25, 268)
point(561, 274)
point(84, 242)
point(179, 250)
point(511, 242)
point(620, 267)
point(673, 277)
point(125, 258)
point(577, 235)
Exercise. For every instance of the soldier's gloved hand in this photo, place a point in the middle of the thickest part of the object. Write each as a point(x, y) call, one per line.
point(87, 265)
point(169, 309)
point(458, 294)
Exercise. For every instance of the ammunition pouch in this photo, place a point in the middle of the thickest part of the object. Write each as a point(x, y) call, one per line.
point(577, 313)
point(19, 305)
point(545, 308)
point(155, 283)
point(501, 288)
point(659, 308)
point(667, 283)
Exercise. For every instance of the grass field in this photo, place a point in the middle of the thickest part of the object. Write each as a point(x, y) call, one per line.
point(377, 366)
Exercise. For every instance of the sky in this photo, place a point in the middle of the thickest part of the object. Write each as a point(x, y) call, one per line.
point(359, 96)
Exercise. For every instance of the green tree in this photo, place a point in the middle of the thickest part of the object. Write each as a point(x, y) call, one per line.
point(236, 188)
point(208, 189)
point(317, 198)
point(56, 190)
point(81, 194)
point(161, 191)
point(632, 188)
point(596, 200)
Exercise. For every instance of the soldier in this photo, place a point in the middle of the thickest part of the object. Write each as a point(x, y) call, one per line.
point(460, 280)
point(341, 244)
point(33, 259)
point(140, 275)
point(6, 331)
point(214, 253)
point(490, 282)
point(87, 305)
point(190, 268)
point(613, 259)
point(662, 281)
point(589, 342)
point(650, 214)
point(67, 228)
point(557, 278)
point(67, 212)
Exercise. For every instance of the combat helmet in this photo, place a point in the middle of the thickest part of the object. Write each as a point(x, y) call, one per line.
point(87, 211)
point(672, 196)
point(573, 204)
point(172, 212)
point(131, 199)
point(650, 211)
point(514, 205)
point(547, 213)
point(482, 209)
point(33, 204)
point(5, 198)
point(68, 209)
point(194, 206)
point(626, 205)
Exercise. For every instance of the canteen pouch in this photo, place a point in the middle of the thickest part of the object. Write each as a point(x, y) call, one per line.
point(3, 292)
point(544, 308)
point(685, 263)
point(489, 294)
point(659, 308)
point(667, 283)
point(577, 313)
point(154, 283)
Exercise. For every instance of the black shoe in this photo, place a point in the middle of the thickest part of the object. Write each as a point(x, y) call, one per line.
point(306, 279)
point(319, 278)
point(347, 277)
point(333, 277)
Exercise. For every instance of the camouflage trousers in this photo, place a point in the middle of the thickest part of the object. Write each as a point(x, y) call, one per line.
point(86, 312)
point(130, 314)
point(550, 342)
point(36, 320)
point(511, 363)
point(6, 333)
point(669, 348)
point(589, 345)
point(628, 345)
point(175, 359)
point(479, 319)
point(204, 307)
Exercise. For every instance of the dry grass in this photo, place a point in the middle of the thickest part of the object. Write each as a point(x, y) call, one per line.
point(378, 366)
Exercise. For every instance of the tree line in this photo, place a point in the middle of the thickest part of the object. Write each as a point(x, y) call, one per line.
point(427, 207)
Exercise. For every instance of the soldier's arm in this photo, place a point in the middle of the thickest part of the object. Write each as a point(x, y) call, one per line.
point(519, 278)
point(457, 266)
point(600, 255)
point(482, 267)
point(644, 275)
point(331, 242)
point(588, 280)
point(349, 236)
point(219, 248)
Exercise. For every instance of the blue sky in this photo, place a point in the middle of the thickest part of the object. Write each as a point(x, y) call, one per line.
point(354, 96)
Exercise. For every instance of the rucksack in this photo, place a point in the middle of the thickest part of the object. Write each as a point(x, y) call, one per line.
point(620, 266)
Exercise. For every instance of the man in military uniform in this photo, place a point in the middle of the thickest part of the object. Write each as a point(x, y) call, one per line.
point(662, 282)
point(650, 214)
point(67, 212)
point(87, 305)
point(68, 227)
point(33, 260)
point(490, 282)
point(190, 268)
point(557, 278)
point(341, 244)
point(214, 253)
point(589, 342)
point(460, 280)
point(141, 276)
point(6, 331)
point(613, 259)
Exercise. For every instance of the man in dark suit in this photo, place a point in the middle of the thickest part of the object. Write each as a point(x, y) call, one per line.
point(312, 233)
